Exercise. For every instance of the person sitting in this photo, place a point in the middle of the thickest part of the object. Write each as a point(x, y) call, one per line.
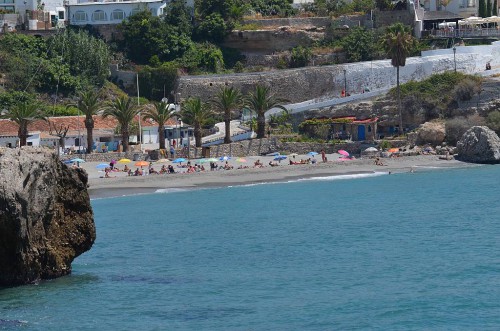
point(258, 164)
point(163, 169)
point(273, 164)
point(129, 172)
point(488, 66)
point(126, 168)
point(137, 172)
point(152, 171)
point(171, 169)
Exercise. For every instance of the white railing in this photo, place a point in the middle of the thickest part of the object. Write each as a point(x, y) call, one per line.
point(482, 32)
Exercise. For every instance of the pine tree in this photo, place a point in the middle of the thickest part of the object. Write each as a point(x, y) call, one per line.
point(494, 12)
point(488, 8)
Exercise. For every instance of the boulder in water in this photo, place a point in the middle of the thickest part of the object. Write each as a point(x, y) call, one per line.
point(45, 216)
point(479, 144)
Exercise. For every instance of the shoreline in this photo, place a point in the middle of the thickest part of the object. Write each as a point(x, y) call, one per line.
point(123, 185)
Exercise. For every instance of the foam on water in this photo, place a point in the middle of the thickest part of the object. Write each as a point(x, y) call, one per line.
point(341, 177)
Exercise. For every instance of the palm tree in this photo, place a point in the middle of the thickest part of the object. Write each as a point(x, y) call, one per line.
point(197, 114)
point(160, 112)
point(225, 101)
point(260, 101)
point(397, 42)
point(124, 110)
point(88, 105)
point(23, 114)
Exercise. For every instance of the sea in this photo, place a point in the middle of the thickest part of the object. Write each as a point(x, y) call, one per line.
point(407, 251)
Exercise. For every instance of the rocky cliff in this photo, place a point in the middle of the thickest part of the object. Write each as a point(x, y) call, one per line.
point(479, 145)
point(45, 216)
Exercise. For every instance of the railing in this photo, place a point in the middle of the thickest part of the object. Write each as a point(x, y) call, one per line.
point(461, 33)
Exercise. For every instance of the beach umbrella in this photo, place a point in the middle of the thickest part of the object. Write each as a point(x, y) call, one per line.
point(273, 154)
point(312, 153)
point(203, 161)
point(343, 152)
point(280, 157)
point(102, 166)
point(163, 161)
point(212, 159)
point(141, 164)
point(179, 160)
point(393, 150)
point(240, 159)
point(77, 160)
point(122, 161)
point(224, 158)
point(294, 154)
point(371, 149)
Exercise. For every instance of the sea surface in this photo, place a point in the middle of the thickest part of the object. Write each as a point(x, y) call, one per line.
point(413, 251)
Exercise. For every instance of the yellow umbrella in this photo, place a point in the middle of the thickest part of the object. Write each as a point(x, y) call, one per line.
point(122, 161)
point(163, 161)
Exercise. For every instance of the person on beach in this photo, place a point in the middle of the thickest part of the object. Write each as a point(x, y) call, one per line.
point(172, 151)
point(258, 164)
point(323, 155)
point(126, 169)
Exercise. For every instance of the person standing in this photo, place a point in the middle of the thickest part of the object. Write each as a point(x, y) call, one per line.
point(172, 151)
point(323, 155)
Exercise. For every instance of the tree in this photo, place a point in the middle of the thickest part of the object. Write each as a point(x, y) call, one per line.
point(88, 104)
point(178, 14)
point(259, 102)
point(358, 45)
point(124, 110)
point(488, 8)
point(482, 8)
point(226, 101)
point(23, 114)
point(60, 131)
point(197, 114)
point(212, 28)
point(160, 112)
point(494, 10)
point(397, 43)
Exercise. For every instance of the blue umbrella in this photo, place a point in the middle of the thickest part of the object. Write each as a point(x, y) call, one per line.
point(312, 153)
point(224, 158)
point(280, 157)
point(77, 160)
point(179, 160)
point(102, 165)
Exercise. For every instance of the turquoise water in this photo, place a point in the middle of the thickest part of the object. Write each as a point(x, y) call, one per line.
point(405, 251)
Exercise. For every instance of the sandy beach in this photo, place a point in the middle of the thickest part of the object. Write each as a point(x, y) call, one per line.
point(121, 184)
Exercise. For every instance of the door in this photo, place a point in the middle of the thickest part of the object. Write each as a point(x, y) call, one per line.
point(361, 132)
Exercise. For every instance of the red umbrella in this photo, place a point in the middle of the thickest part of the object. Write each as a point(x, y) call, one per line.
point(342, 152)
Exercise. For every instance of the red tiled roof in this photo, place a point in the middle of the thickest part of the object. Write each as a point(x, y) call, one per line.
point(9, 128)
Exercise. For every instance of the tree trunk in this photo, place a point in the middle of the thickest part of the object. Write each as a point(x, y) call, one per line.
point(125, 136)
point(23, 135)
point(227, 123)
point(261, 126)
point(400, 111)
point(89, 125)
point(61, 143)
point(197, 135)
point(161, 136)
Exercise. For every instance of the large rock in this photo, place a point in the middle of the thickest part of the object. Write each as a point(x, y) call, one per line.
point(45, 216)
point(479, 144)
point(432, 133)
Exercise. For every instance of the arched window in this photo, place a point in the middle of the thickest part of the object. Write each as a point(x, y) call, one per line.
point(80, 16)
point(99, 15)
point(118, 14)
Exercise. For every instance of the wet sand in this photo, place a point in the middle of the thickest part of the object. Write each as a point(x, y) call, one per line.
point(122, 184)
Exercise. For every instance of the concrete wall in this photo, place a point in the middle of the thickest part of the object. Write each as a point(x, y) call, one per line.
point(299, 85)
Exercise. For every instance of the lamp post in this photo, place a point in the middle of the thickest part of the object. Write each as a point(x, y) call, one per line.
point(345, 83)
point(455, 58)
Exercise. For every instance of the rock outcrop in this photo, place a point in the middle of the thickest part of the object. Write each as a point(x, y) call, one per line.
point(45, 216)
point(479, 144)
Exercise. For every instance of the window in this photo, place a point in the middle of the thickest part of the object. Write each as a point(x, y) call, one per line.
point(80, 16)
point(99, 15)
point(61, 15)
point(135, 11)
point(118, 14)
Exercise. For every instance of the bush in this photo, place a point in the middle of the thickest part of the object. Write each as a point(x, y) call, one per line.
point(493, 121)
point(300, 57)
point(385, 144)
point(456, 127)
point(466, 89)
